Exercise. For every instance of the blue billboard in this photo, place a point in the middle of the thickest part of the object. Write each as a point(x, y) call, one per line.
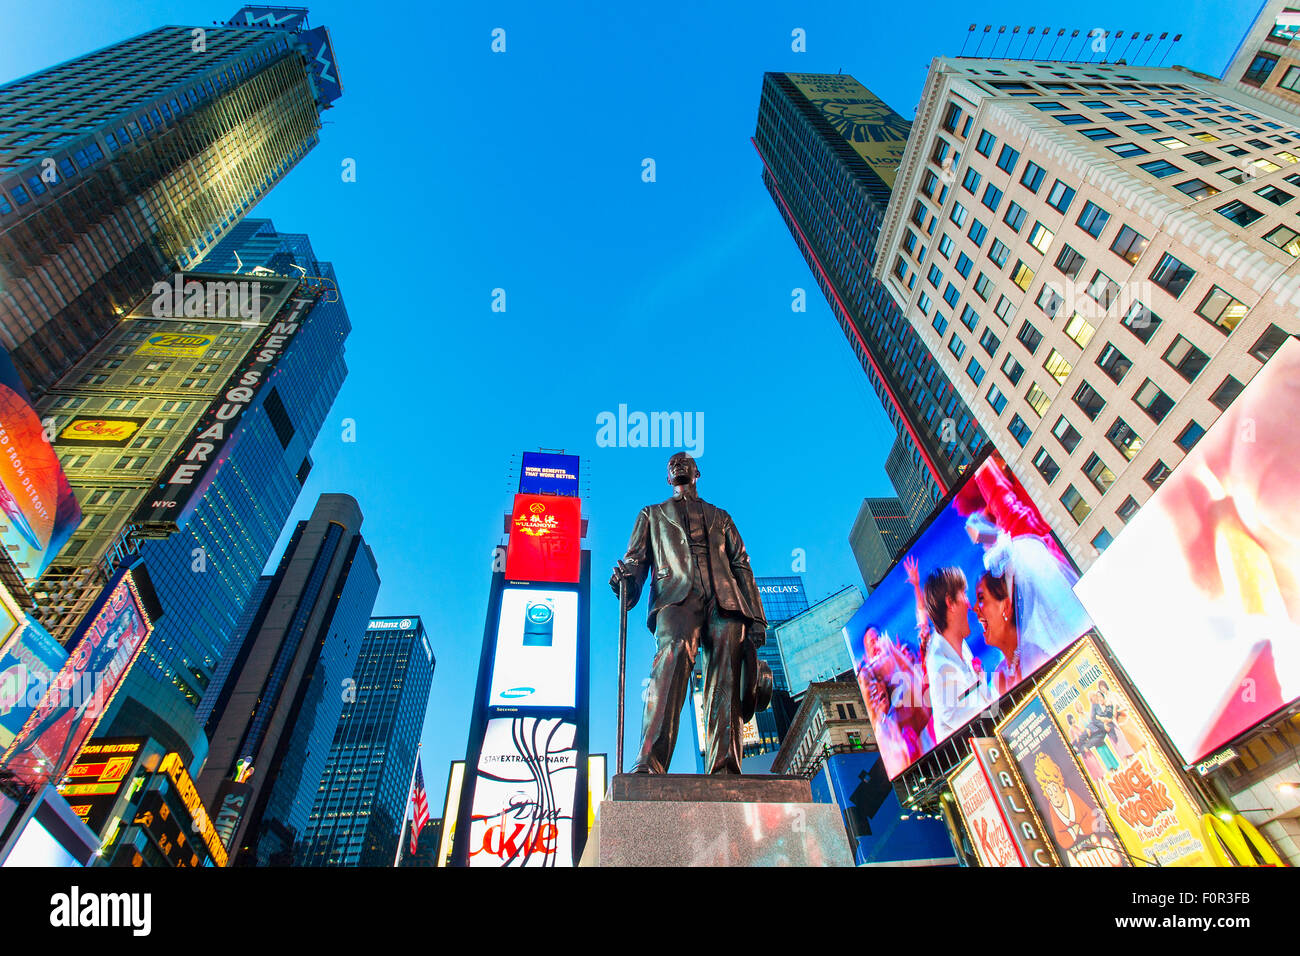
point(546, 473)
point(880, 830)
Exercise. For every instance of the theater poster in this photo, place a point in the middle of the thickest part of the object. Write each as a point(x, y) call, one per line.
point(1072, 819)
point(1154, 815)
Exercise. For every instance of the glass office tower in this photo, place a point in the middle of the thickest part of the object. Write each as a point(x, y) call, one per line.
point(879, 533)
point(274, 721)
point(206, 572)
point(830, 152)
point(123, 165)
point(362, 799)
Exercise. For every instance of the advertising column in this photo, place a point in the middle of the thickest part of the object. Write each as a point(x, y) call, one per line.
point(525, 795)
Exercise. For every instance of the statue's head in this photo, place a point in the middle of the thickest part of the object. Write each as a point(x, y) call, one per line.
point(682, 469)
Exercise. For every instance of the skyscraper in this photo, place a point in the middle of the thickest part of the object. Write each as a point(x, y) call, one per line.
point(206, 571)
point(1117, 253)
point(272, 726)
point(830, 152)
point(357, 816)
point(123, 165)
point(916, 497)
point(878, 534)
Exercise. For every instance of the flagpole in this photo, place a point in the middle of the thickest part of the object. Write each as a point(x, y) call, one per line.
point(401, 831)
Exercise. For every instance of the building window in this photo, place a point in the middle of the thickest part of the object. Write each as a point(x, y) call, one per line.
point(1032, 177)
point(1060, 197)
point(998, 252)
point(1074, 503)
point(1197, 189)
point(975, 371)
point(1114, 363)
point(1003, 309)
point(1038, 399)
point(1269, 342)
point(1102, 540)
point(958, 214)
point(977, 233)
point(969, 317)
point(989, 342)
point(1029, 337)
point(986, 143)
point(1172, 275)
point(1127, 510)
point(1189, 436)
point(1019, 430)
point(1229, 389)
point(1238, 212)
point(1079, 330)
point(1066, 434)
point(956, 346)
point(1100, 476)
point(1049, 300)
point(1092, 219)
point(1014, 216)
point(1040, 237)
point(1141, 321)
point(1221, 310)
point(1260, 68)
point(1046, 466)
point(1156, 475)
point(996, 399)
point(1012, 369)
point(983, 287)
point(1185, 358)
point(1058, 366)
point(971, 181)
point(1022, 275)
point(1286, 239)
point(992, 197)
point(963, 265)
point(1160, 168)
point(1089, 400)
point(1278, 197)
point(1152, 400)
point(1125, 439)
point(1007, 159)
point(1129, 245)
point(1069, 261)
point(1126, 150)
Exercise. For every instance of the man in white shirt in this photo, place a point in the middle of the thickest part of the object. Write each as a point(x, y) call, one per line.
point(958, 690)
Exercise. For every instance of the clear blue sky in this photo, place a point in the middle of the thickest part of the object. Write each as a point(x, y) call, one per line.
point(522, 171)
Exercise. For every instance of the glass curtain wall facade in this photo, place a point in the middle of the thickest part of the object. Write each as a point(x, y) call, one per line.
point(123, 165)
point(361, 802)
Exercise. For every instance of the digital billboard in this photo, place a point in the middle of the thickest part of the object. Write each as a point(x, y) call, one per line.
point(104, 646)
point(546, 473)
point(1144, 796)
point(38, 511)
point(27, 668)
point(525, 793)
point(990, 834)
point(1207, 574)
point(545, 539)
point(97, 777)
point(536, 659)
point(1079, 830)
point(980, 602)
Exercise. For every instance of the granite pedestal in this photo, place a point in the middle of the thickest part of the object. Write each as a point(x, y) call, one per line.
point(722, 820)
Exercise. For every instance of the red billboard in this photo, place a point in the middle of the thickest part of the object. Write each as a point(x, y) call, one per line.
point(104, 648)
point(545, 539)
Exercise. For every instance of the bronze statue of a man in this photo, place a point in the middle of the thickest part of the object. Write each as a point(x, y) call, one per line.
point(702, 596)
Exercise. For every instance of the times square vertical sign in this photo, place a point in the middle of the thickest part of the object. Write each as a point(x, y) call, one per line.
point(524, 803)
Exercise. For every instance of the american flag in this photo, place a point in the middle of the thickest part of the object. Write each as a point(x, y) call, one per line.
point(420, 800)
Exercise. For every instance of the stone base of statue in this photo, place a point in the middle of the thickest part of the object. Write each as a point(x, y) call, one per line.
point(722, 820)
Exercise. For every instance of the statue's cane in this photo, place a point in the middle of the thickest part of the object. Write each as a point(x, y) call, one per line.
point(622, 660)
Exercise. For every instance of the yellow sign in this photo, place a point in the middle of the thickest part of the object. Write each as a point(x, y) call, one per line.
point(108, 431)
point(1233, 835)
point(175, 344)
point(1154, 815)
point(876, 132)
point(450, 811)
point(184, 783)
